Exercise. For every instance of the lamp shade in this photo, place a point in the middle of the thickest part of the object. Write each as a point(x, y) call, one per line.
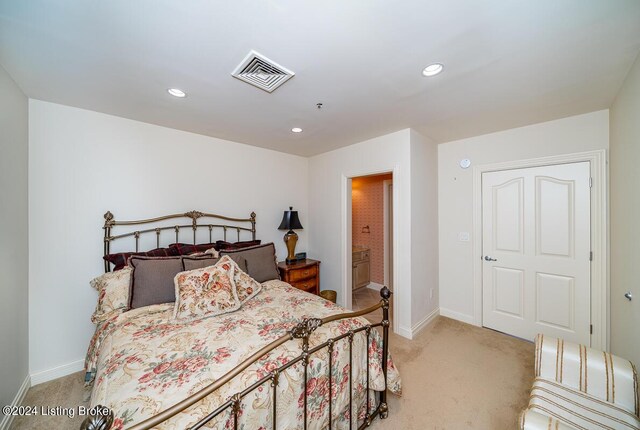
point(290, 220)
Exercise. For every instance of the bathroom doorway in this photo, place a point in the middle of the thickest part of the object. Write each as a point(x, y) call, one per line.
point(372, 239)
point(388, 233)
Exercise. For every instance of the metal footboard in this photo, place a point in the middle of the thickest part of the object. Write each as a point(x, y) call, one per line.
point(302, 331)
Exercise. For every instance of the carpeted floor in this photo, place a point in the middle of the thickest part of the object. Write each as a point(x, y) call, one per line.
point(455, 376)
point(66, 392)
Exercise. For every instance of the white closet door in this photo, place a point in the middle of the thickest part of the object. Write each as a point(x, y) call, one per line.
point(536, 251)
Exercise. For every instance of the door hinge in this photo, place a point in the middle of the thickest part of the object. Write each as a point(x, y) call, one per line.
point(590, 182)
point(591, 329)
point(590, 255)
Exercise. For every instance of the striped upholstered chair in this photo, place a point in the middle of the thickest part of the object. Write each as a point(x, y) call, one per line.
point(581, 388)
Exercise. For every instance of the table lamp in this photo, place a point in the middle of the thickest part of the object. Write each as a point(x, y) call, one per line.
point(290, 221)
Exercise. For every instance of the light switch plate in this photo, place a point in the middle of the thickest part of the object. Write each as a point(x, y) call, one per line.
point(463, 236)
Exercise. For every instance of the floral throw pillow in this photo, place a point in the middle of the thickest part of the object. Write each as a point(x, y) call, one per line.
point(113, 294)
point(205, 292)
point(246, 286)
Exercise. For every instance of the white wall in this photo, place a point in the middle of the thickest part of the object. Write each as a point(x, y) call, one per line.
point(330, 235)
point(424, 229)
point(455, 190)
point(84, 163)
point(625, 213)
point(14, 251)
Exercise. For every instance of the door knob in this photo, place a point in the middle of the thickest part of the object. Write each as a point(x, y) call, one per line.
point(487, 258)
point(628, 295)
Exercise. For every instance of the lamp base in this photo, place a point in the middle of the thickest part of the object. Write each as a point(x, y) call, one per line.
point(291, 239)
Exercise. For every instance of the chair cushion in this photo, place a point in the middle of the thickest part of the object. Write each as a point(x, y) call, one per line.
point(578, 409)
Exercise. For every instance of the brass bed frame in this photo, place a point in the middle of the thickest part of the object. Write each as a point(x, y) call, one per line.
point(301, 333)
point(110, 222)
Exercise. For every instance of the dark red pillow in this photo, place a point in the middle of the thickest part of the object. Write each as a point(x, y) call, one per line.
point(120, 259)
point(189, 248)
point(222, 245)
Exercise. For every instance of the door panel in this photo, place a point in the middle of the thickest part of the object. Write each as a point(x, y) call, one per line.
point(508, 287)
point(555, 227)
point(508, 221)
point(555, 300)
point(536, 229)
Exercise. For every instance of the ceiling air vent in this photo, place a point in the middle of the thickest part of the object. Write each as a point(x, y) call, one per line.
point(261, 72)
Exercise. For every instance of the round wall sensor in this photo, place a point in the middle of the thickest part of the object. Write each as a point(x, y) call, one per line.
point(465, 163)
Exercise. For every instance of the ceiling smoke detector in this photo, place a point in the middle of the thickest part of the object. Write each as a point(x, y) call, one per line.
point(261, 72)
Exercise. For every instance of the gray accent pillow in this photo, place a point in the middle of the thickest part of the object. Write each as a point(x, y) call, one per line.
point(152, 280)
point(240, 261)
point(261, 261)
point(199, 262)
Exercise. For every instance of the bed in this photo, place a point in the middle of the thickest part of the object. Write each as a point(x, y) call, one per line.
point(286, 359)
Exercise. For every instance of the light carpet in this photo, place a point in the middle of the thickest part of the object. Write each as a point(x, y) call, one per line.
point(455, 376)
point(458, 376)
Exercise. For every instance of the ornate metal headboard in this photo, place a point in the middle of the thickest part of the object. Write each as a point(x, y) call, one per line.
point(198, 221)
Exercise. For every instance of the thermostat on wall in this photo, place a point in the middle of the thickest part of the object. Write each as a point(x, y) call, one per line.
point(465, 163)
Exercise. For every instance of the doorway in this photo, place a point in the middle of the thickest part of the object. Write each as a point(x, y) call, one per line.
point(372, 239)
point(388, 233)
point(536, 251)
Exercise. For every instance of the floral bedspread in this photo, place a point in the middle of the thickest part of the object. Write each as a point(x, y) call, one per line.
point(142, 362)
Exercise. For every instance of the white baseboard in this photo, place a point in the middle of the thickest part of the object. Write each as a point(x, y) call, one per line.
point(404, 332)
point(17, 401)
point(457, 316)
point(375, 286)
point(410, 333)
point(56, 372)
point(425, 322)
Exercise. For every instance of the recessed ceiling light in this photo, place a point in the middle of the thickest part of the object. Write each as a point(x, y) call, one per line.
point(296, 130)
point(176, 92)
point(432, 69)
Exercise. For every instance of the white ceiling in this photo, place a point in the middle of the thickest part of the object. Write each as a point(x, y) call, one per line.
point(507, 63)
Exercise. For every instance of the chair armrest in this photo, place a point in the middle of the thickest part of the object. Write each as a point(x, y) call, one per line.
point(600, 374)
point(533, 420)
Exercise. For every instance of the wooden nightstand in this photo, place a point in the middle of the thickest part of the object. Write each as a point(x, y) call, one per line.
point(303, 274)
